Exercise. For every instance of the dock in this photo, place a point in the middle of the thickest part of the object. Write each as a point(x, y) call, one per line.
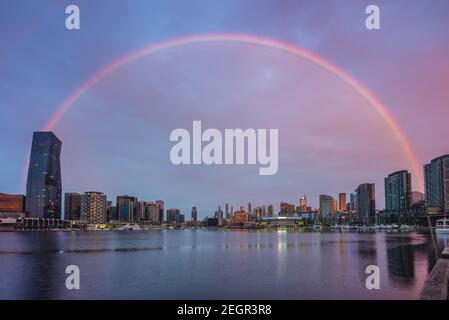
point(436, 284)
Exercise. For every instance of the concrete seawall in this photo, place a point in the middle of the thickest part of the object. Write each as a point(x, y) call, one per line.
point(436, 284)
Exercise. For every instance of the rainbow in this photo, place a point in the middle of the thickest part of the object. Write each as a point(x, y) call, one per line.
point(253, 40)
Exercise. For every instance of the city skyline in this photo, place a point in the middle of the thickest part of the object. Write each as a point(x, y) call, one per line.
point(46, 150)
point(322, 152)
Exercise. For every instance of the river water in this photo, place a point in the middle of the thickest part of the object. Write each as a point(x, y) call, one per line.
point(212, 264)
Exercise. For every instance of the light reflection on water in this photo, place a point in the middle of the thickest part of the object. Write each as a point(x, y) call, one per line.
point(201, 264)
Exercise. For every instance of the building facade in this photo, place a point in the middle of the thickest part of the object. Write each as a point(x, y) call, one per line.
point(12, 203)
point(127, 210)
point(44, 187)
point(366, 203)
point(436, 182)
point(94, 207)
point(398, 191)
point(72, 206)
point(327, 205)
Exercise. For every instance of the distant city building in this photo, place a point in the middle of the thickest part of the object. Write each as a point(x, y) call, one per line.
point(287, 208)
point(160, 203)
point(227, 213)
point(195, 213)
point(219, 213)
point(93, 207)
point(72, 206)
point(44, 190)
point(303, 204)
point(353, 201)
point(152, 212)
point(436, 181)
point(240, 217)
point(398, 191)
point(342, 201)
point(174, 215)
point(366, 203)
point(270, 210)
point(327, 205)
point(127, 208)
point(12, 203)
point(418, 198)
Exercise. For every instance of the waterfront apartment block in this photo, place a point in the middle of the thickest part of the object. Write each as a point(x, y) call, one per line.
point(398, 191)
point(436, 182)
point(93, 207)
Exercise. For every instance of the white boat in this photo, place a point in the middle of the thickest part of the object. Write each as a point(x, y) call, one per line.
point(442, 226)
point(316, 227)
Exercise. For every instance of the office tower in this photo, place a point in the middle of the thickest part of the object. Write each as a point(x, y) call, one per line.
point(417, 198)
point(240, 216)
point(219, 213)
point(127, 208)
point(327, 205)
point(334, 204)
point(366, 203)
point(232, 212)
point(160, 203)
point(352, 201)
point(93, 207)
point(270, 210)
point(152, 212)
point(286, 208)
point(43, 190)
point(249, 209)
point(72, 206)
point(195, 213)
point(12, 203)
point(398, 191)
point(228, 216)
point(342, 201)
point(173, 215)
point(436, 181)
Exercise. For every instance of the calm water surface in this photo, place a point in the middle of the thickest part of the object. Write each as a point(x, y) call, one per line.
point(202, 264)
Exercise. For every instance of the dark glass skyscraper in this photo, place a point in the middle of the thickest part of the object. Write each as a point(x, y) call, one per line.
point(43, 197)
point(72, 206)
point(366, 203)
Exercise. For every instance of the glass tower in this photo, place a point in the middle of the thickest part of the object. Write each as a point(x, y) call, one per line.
point(43, 196)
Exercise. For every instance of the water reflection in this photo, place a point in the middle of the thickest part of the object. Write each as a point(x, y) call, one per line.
point(199, 264)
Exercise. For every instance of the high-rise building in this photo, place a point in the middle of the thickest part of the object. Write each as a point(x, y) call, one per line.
point(342, 201)
point(195, 213)
point(303, 204)
point(353, 201)
point(270, 210)
point(44, 190)
point(151, 212)
point(250, 211)
point(286, 208)
point(228, 216)
point(93, 207)
point(127, 208)
point(398, 191)
point(436, 181)
point(72, 206)
point(174, 215)
point(327, 205)
point(366, 203)
point(219, 213)
point(12, 203)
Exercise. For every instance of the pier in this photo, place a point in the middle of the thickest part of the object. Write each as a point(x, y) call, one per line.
point(436, 284)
